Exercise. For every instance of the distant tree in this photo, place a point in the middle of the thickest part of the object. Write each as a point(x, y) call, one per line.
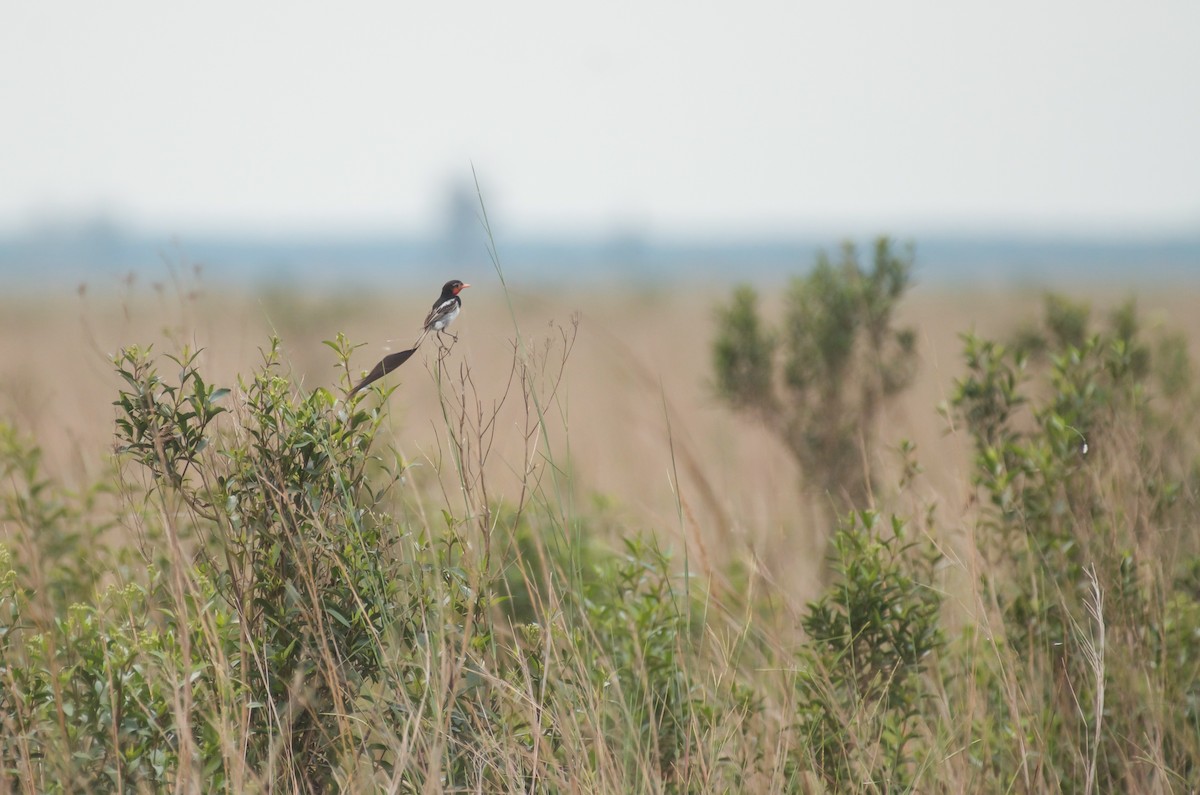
point(820, 380)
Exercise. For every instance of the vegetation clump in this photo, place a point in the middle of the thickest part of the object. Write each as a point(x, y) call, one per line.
point(260, 596)
point(820, 380)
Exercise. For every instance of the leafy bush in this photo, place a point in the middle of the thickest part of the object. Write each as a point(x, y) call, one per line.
point(870, 635)
point(285, 631)
point(279, 603)
point(62, 556)
point(1087, 463)
point(281, 617)
point(841, 359)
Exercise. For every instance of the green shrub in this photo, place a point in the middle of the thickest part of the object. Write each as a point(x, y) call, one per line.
point(1086, 461)
point(283, 619)
point(286, 632)
point(63, 555)
point(841, 360)
point(860, 697)
point(637, 634)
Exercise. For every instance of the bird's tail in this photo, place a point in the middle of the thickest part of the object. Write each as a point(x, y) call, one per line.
point(387, 365)
point(420, 339)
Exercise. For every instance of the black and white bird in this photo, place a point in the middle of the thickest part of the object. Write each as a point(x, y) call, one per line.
point(445, 310)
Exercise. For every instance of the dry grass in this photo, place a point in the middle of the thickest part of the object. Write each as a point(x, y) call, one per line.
point(646, 446)
point(640, 412)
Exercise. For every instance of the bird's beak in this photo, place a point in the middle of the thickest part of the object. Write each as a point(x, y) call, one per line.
point(465, 286)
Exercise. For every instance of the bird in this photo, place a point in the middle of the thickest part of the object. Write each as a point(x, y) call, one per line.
point(445, 309)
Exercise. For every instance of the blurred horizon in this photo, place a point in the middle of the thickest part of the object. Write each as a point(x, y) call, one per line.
point(274, 142)
point(104, 249)
point(763, 120)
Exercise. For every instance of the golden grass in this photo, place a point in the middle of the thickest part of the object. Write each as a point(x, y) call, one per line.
point(642, 427)
point(639, 430)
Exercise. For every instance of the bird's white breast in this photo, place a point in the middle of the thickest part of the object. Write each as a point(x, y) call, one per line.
point(446, 317)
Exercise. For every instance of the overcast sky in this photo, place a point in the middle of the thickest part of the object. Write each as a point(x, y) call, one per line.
point(678, 118)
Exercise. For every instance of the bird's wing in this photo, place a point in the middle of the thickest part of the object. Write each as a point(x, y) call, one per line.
point(385, 366)
point(441, 310)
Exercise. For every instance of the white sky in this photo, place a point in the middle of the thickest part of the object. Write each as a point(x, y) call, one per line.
point(673, 117)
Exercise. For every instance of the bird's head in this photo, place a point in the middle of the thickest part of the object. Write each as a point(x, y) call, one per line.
point(454, 287)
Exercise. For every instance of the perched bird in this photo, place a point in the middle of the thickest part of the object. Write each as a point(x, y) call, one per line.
point(445, 310)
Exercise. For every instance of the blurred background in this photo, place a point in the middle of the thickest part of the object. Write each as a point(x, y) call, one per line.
point(282, 143)
point(206, 176)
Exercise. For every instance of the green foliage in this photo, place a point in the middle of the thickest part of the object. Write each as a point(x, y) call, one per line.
point(282, 619)
point(1086, 460)
point(62, 554)
point(641, 648)
point(311, 597)
point(860, 697)
point(842, 359)
point(162, 425)
point(628, 647)
point(293, 600)
point(91, 674)
point(286, 632)
point(743, 355)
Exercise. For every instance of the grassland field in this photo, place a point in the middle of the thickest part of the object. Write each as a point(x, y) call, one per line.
point(633, 429)
point(644, 432)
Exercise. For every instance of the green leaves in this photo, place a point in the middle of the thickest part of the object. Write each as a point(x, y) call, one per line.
point(869, 636)
point(161, 424)
point(742, 354)
point(283, 500)
point(1085, 447)
point(820, 380)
